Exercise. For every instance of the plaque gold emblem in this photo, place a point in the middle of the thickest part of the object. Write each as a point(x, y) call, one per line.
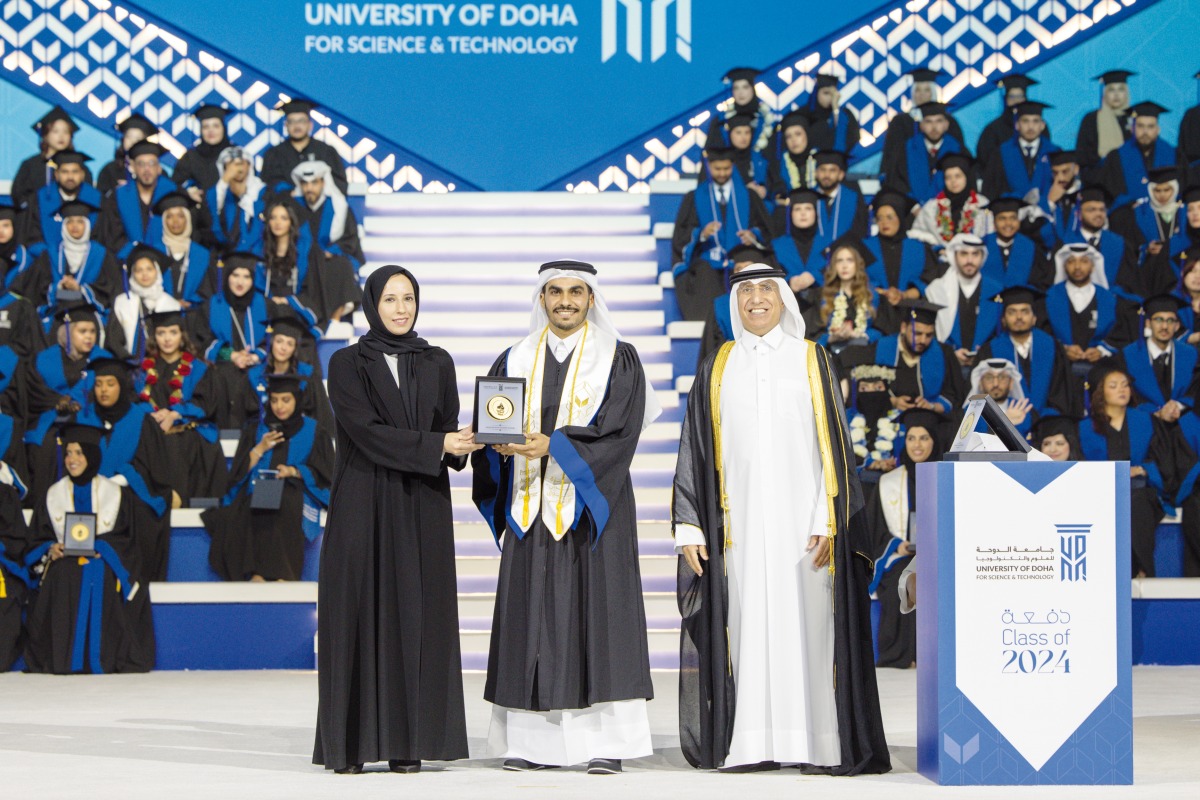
point(500, 407)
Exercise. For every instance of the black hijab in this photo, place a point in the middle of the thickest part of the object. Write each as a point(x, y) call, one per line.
point(933, 424)
point(117, 411)
point(91, 451)
point(379, 341)
point(238, 304)
point(288, 427)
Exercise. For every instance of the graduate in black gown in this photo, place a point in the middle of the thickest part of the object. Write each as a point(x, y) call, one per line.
point(56, 132)
point(569, 630)
point(285, 339)
point(126, 211)
point(279, 160)
point(89, 614)
point(14, 542)
point(40, 228)
point(1016, 91)
point(79, 268)
point(132, 130)
point(890, 517)
point(389, 672)
point(265, 543)
point(904, 126)
point(20, 327)
point(294, 270)
point(1107, 128)
point(197, 170)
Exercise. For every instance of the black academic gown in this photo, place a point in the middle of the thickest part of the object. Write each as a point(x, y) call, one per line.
point(199, 166)
point(111, 176)
point(280, 160)
point(897, 632)
point(997, 132)
point(35, 397)
point(902, 128)
point(569, 629)
point(699, 284)
point(126, 628)
point(32, 175)
point(107, 284)
point(1087, 142)
point(389, 671)
point(20, 327)
point(268, 543)
point(14, 543)
point(707, 696)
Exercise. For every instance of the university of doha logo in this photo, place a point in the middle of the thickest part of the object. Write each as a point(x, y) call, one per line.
point(634, 16)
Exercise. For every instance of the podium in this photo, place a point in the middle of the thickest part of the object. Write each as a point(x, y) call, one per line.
point(1023, 630)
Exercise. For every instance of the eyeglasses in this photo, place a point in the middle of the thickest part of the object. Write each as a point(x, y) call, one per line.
point(1164, 320)
point(748, 289)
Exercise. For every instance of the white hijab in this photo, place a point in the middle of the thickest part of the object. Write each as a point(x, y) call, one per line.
point(153, 298)
point(791, 321)
point(74, 250)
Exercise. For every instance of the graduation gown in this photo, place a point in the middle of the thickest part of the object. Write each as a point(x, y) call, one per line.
point(887, 519)
point(845, 214)
point(1088, 328)
point(1189, 137)
point(125, 219)
point(1187, 469)
point(826, 134)
point(34, 173)
point(315, 286)
point(112, 174)
point(279, 161)
point(707, 695)
point(792, 256)
point(1125, 278)
point(937, 376)
point(1022, 262)
point(20, 327)
point(916, 174)
point(389, 673)
point(995, 133)
point(198, 166)
point(900, 129)
point(897, 262)
point(1149, 395)
point(718, 327)
point(14, 578)
point(1011, 173)
point(270, 543)
point(230, 228)
point(320, 223)
point(1087, 140)
point(40, 224)
point(1124, 171)
point(1045, 374)
point(569, 630)
point(82, 618)
point(99, 278)
point(314, 402)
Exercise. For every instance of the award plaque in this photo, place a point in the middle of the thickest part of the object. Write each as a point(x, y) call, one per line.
point(499, 410)
point(79, 535)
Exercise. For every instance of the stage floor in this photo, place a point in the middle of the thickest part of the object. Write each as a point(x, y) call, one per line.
point(250, 734)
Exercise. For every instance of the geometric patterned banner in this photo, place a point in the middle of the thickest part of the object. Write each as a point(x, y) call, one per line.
point(974, 42)
point(103, 60)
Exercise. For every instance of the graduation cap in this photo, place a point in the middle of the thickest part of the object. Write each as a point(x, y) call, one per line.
point(569, 264)
point(712, 154)
point(1188, 258)
point(209, 111)
point(835, 157)
point(1163, 174)
point(137, 122)
point(78, 433)
point(1163, 302)
point(739, 121)
point(1114, 76)
point(77, 312)
point(925, 418)
point(934, 108)
point(288, 326)
point(924, 75)
point(1095, 193)
point(1191, 194)
point(1016, 81)
point(1019, 296)
point(289, 383)
point(960, 160)
point(918, 309)
point(176, 199)
point(1147, 108)
point(164, 319)
point(70, 157)
point(146, 148)
point(52, 116)
point(898, 201)
point(143, 250)
point(805, 195)
point(1030, 108)
point(111, 365)
point(77, 208)
point(1046, 427)
point(8, 212)
point(240, 259)
point(1005, 203)
point(825, 80)
point(740, 74)
point(297, 105)
point(1063, 157)
point(793, 118)
point(756, 275)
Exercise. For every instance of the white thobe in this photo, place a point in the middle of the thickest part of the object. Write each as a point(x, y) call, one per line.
point(781, 636)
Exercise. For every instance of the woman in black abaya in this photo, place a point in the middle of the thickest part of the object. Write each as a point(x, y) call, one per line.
point(388, 666)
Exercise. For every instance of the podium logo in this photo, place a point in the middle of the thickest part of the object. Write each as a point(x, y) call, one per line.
point(634, 16)
point(1073, 547)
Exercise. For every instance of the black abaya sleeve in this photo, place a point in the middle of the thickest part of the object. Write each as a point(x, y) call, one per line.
point(685, 222)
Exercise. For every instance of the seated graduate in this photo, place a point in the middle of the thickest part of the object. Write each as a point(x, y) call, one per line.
point(899, 267)
point(718, 325)
point(294, 271)
point(1161, 367)
point(129, 456)
point(916, 173)
point(906, 125)
point(748, 162)
point(189, 270)
point(1125, 170)
point(847, 302)
point(1014, 91)
point(871, 416)
point(56, 132)
point(234, 204)
point(1013, 258)
point(126, 332)
point(267, 543)
point(298, 145)
point(1058, 438)
point(1000, 379)
point(927, 373)
point(793, 167)
point(1107, 128)
point(843, 211)
point(1062, 198)
point(41, 214)
point(79, 269)
point(715, 217)
point(176, 387)
point(831, 127)
point(89, 614)
point(330, 220)
point(1187, 497)
point(20, 327)
point(1022, 163)
point(1120, 256)
point(1084, 315)
point(125, 213)
point(54, 385)
point(1189, 292)
point(1045, 370)
point(285, 339)
point(891, 515)
point(970, 314)
point(1153, 222)
point(14, 543)
point(197, 170)
point(803, 250)
point(131, 130)
point(743, 100)
point(956, 208)
point(1119, 431)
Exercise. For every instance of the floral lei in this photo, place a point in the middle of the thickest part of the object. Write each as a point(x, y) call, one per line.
point(945, 222)
point(840, 307)
point(176, 383)
point(886, 431)
point(765, 114)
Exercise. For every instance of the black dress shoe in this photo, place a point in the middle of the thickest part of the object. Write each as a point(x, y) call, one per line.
point(604, 766)
point(762, 766)
point(353, 769)
point(404, 767)
point(521, 765)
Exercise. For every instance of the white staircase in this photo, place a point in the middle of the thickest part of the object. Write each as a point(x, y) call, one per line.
point(476, 256)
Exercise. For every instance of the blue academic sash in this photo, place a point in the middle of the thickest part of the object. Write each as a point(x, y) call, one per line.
point(723, 317)
point(987, 321)
point(737, 214)
point(1112, 247)
point(186, 409)
point(932, 366)
point(50, 201)
point(93, 264)
point(220, 323)
point(1019, 181)
point(129, 209)
point(1058, 308)
point(837, 221)
point(1041, 367)
point(299, 448)
point(119, 448)
point(1133, 169)
point(1020, 260)
point(924, 184)
point(912, 264)
point(1147, 222)
point(1141, 369)
point(788, 256)
point(1141, 428)
point(325, 226)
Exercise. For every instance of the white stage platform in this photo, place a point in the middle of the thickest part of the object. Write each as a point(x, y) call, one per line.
point(250, 734)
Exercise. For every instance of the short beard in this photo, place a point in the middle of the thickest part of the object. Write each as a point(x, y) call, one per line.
point(559, 325)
